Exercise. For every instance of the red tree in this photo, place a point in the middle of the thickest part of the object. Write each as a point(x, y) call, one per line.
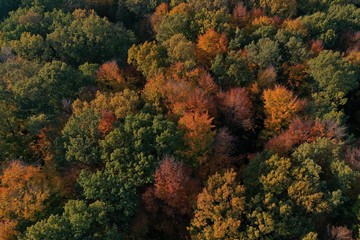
point(237, 107)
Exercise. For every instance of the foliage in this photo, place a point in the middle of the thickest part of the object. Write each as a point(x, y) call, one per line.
point(264, 53)
point(236, 106)
point(87, 31)
point(81, 135)
point(219, 208)
point(115, 113)
point(173, 185)
point(280, 108)
point(148, 58)
point(24, 194)
point(76, 222)
point(335, 78)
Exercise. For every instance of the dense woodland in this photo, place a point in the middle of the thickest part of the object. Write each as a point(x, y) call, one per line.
point(181, 119)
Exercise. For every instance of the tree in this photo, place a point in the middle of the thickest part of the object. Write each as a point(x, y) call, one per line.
point(180, 49)
point(30, 46)
point(212, 6)
point(183, 91)
point(220, 208)
point(26, 30)
point(237, 107)
point(89, 38)
point(76, 222)
point(332, 73)
point(199, 136)
point(308, 189)
point(171, 199)
point(25, 192)
point(280, 108)
point(138, 145)
point(112, 186)
point(335, 78)
point(23, 20)
point(273, 211)
point(131, 153)
point(158, 15)
point(211, 44)
point(232, 70)
point(215, 17)
point(281, 7)
point(305, 130)
point(222, 156)
point(172, 24)
point(147, 57)
point(106, 122)
point(8, 229)
point(119, 104)
point(57, 79)
point(109, 76)
point(264, 53)
point(174, 185)
point(81, 137)
point(139, 8)
point(328, 155)
point(328, 25)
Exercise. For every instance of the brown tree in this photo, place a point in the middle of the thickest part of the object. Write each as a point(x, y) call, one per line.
point(175, 186)
point(237, 107)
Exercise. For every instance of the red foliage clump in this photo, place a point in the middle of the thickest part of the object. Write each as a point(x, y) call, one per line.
point(237, 107)
point(301, 131)
point(316, 46)
point(106, 122)
point(174, 186)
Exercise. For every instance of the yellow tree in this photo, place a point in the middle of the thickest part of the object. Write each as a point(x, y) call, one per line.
point(280, 106)
point(219, 210)
point(284, 8)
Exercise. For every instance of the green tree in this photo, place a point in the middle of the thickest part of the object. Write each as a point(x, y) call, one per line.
point(284, 8)
point(264, 53)
point(335, 78)
point(309, 189)
point(131, 153)
point(232, 70)
point(139, 8)
point(180, 49)
point(113, 187)
point(44, 91)
point(78, 221)
point(148, 58)
point(330, 24)
point(171, 25)
point(138, 145)
point(89, 38)
point(81, 137)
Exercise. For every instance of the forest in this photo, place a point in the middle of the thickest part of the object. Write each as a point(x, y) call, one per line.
point(179, 119)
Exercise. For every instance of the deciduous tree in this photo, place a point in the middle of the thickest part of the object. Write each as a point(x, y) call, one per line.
point(280, 107)
point(220, 209)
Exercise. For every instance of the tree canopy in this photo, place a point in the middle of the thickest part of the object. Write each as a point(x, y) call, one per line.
point(179, 119)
